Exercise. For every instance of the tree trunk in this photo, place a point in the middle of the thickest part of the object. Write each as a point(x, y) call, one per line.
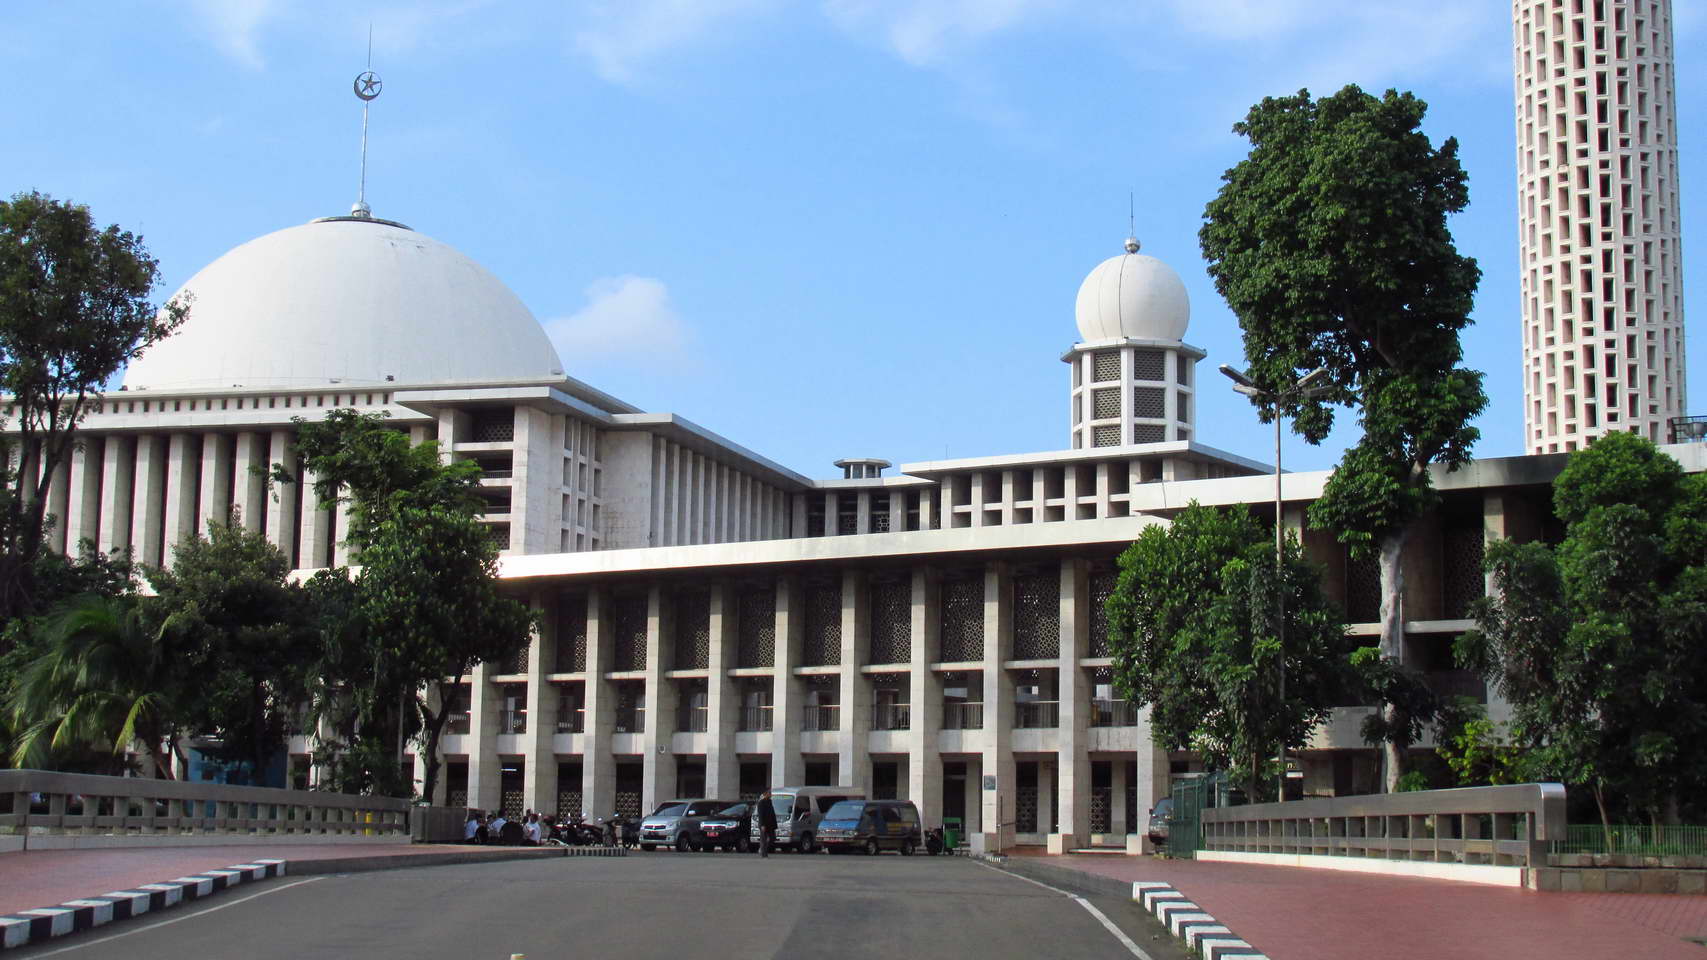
point(432, 726)
point(1392, 550)
point(1605, 821)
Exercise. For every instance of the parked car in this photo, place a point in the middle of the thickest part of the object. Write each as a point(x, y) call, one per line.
point(1160, 817)
point(671, 825)
point(798, 810)
point(724, 830)
point(872, 826)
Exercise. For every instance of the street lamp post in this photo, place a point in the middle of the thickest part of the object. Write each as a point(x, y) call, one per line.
point(1306, 388)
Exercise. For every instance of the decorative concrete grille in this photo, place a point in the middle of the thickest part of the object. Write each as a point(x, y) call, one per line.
point(628, 630)
point(1182, 370)
point(1363, 588)
point(569, 799)
point(693, 630)
point(513, 803)
point(1182, 406)
point(517, 661)
point(1025, 798)
point(1105, 366)
point(1148, 364)
point(1149, 402)
point(1101, 588)
point(757, 637)
point(1037, 617)
point(493, 426)
point(962, 627)
point(1105, 403)
point(1102, 800)
point(628, 803)
point(457, 797)
point(1149, 433)
point(879, 518)
point(1106, 436)
point(847, 523)
point(891, 621)
point(572, 633)
point(822, 645)
point(1462, 583)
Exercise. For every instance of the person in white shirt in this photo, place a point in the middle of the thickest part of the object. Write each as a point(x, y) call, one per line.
point(534, 833)
point(471, 829)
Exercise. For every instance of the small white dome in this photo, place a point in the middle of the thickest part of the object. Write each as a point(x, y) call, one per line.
point(1135, 297)
point(346, 299)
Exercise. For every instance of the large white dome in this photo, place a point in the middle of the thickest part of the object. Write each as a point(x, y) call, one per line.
point(349, 300)
point(1133, 296)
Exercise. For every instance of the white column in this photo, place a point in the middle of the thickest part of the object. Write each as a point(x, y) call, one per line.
point(249, 478)
point(183, 475)
point(854, 755)
point(658, 761)
point(1073, 760)
point(213, 505)
point(598, 764)
point(79, 482)
point(316, 528)
point(924, 761)
point(539, 783)
point(341, 537)
point(485, 772)
point(788, 767)
point(722, 764)
point(118, 475)
point(998, 807)
point(1153, 776)
point(281, 514)
point(147, 520)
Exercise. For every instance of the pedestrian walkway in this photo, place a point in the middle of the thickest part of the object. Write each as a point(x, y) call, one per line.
point(1293, 913)
point(42, 878)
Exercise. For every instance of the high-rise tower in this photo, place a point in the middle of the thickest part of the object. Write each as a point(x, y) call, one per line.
point(1601, 271)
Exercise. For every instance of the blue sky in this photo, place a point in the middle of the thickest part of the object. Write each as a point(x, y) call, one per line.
point(823, 229)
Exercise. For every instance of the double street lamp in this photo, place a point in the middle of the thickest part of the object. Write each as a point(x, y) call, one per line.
point(1308, 386)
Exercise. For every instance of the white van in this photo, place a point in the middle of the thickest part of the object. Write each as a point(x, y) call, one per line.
point(798, 810)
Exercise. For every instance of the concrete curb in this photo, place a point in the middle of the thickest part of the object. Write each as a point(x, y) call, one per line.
point(73, 916)
point(35, 926)
point(1187, 921)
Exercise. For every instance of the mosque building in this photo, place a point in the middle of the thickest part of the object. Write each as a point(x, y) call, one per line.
point(715, 623)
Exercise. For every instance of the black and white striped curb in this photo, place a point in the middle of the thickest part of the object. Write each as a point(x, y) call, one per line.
point(1200, 931)
point(35, 926)
point(595, 851)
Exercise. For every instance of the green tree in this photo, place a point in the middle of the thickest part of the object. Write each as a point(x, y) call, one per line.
point(243, 630)
point(1329, 242)
point(74, 309)
point(103, 678)
point(1598, 644)
point(424, 606)
point(1191, 626)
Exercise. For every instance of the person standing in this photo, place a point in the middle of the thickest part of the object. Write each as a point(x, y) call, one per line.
point(767, 825)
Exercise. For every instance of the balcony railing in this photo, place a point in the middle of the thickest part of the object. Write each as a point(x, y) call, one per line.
point(891, 716)
point(1037, 714)
point(631, 720)
point(823, 716)
point(1113, 713)
point(692, 719)
point(755, 718)
point(961, 715)
point(512, 721)
point(570, 720)
point(458, 724)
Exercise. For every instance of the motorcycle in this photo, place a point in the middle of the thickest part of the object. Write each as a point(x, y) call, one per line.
point(934, 841)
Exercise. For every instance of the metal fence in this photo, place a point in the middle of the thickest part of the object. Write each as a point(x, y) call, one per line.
point(821, 716)
point(40, 802)
point(1641, 841)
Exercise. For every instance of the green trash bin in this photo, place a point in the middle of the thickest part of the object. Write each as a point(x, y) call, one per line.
point(951, 827)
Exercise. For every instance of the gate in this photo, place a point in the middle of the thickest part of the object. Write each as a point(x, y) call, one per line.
point(1185, 829)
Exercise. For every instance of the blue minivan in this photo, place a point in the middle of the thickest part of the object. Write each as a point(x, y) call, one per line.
point(871, 826)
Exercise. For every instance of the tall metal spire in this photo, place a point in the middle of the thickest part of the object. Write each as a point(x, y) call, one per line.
point(367, 87)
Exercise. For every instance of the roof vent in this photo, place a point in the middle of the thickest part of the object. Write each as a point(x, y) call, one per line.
point(862, 468)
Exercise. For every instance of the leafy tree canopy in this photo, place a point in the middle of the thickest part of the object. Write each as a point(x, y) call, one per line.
point(74, 309)
point(1192, 628)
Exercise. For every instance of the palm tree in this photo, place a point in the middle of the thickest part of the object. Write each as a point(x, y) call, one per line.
point(102, 681)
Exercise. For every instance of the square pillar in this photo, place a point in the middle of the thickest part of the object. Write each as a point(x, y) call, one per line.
point(118, 478)
point(722, 763)
point(147, 514)
point(77, 487)
point(598, 764)
point(249, 480)
point(853, 758)
point(788, 767)
point(485, 772)
point(924, 760)
point(213, 505)
point(281, 514)
point(539, 776)
point(1073, 759)
point(657, 762)
point(997, 795)
point(183, 476)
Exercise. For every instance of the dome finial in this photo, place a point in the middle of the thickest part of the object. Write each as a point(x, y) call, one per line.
point(1131, 222)
point(1131, 244)
point(367, 87)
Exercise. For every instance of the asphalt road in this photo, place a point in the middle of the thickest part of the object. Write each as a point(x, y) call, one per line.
point(663, 905)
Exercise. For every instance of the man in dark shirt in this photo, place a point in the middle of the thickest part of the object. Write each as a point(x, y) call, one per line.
point(767, 825)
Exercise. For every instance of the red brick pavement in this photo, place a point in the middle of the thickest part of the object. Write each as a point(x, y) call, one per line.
point(1294, 913)
point(42, 878)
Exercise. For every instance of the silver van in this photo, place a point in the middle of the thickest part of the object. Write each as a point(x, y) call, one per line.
point(798, 810)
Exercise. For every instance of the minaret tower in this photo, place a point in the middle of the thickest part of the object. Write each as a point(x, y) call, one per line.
point(1598, 232)
point(1133, 374)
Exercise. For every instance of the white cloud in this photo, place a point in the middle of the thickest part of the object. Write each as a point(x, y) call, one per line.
point(624, 316)
point(623, 38)
point(233, 26)
point(925, 32)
